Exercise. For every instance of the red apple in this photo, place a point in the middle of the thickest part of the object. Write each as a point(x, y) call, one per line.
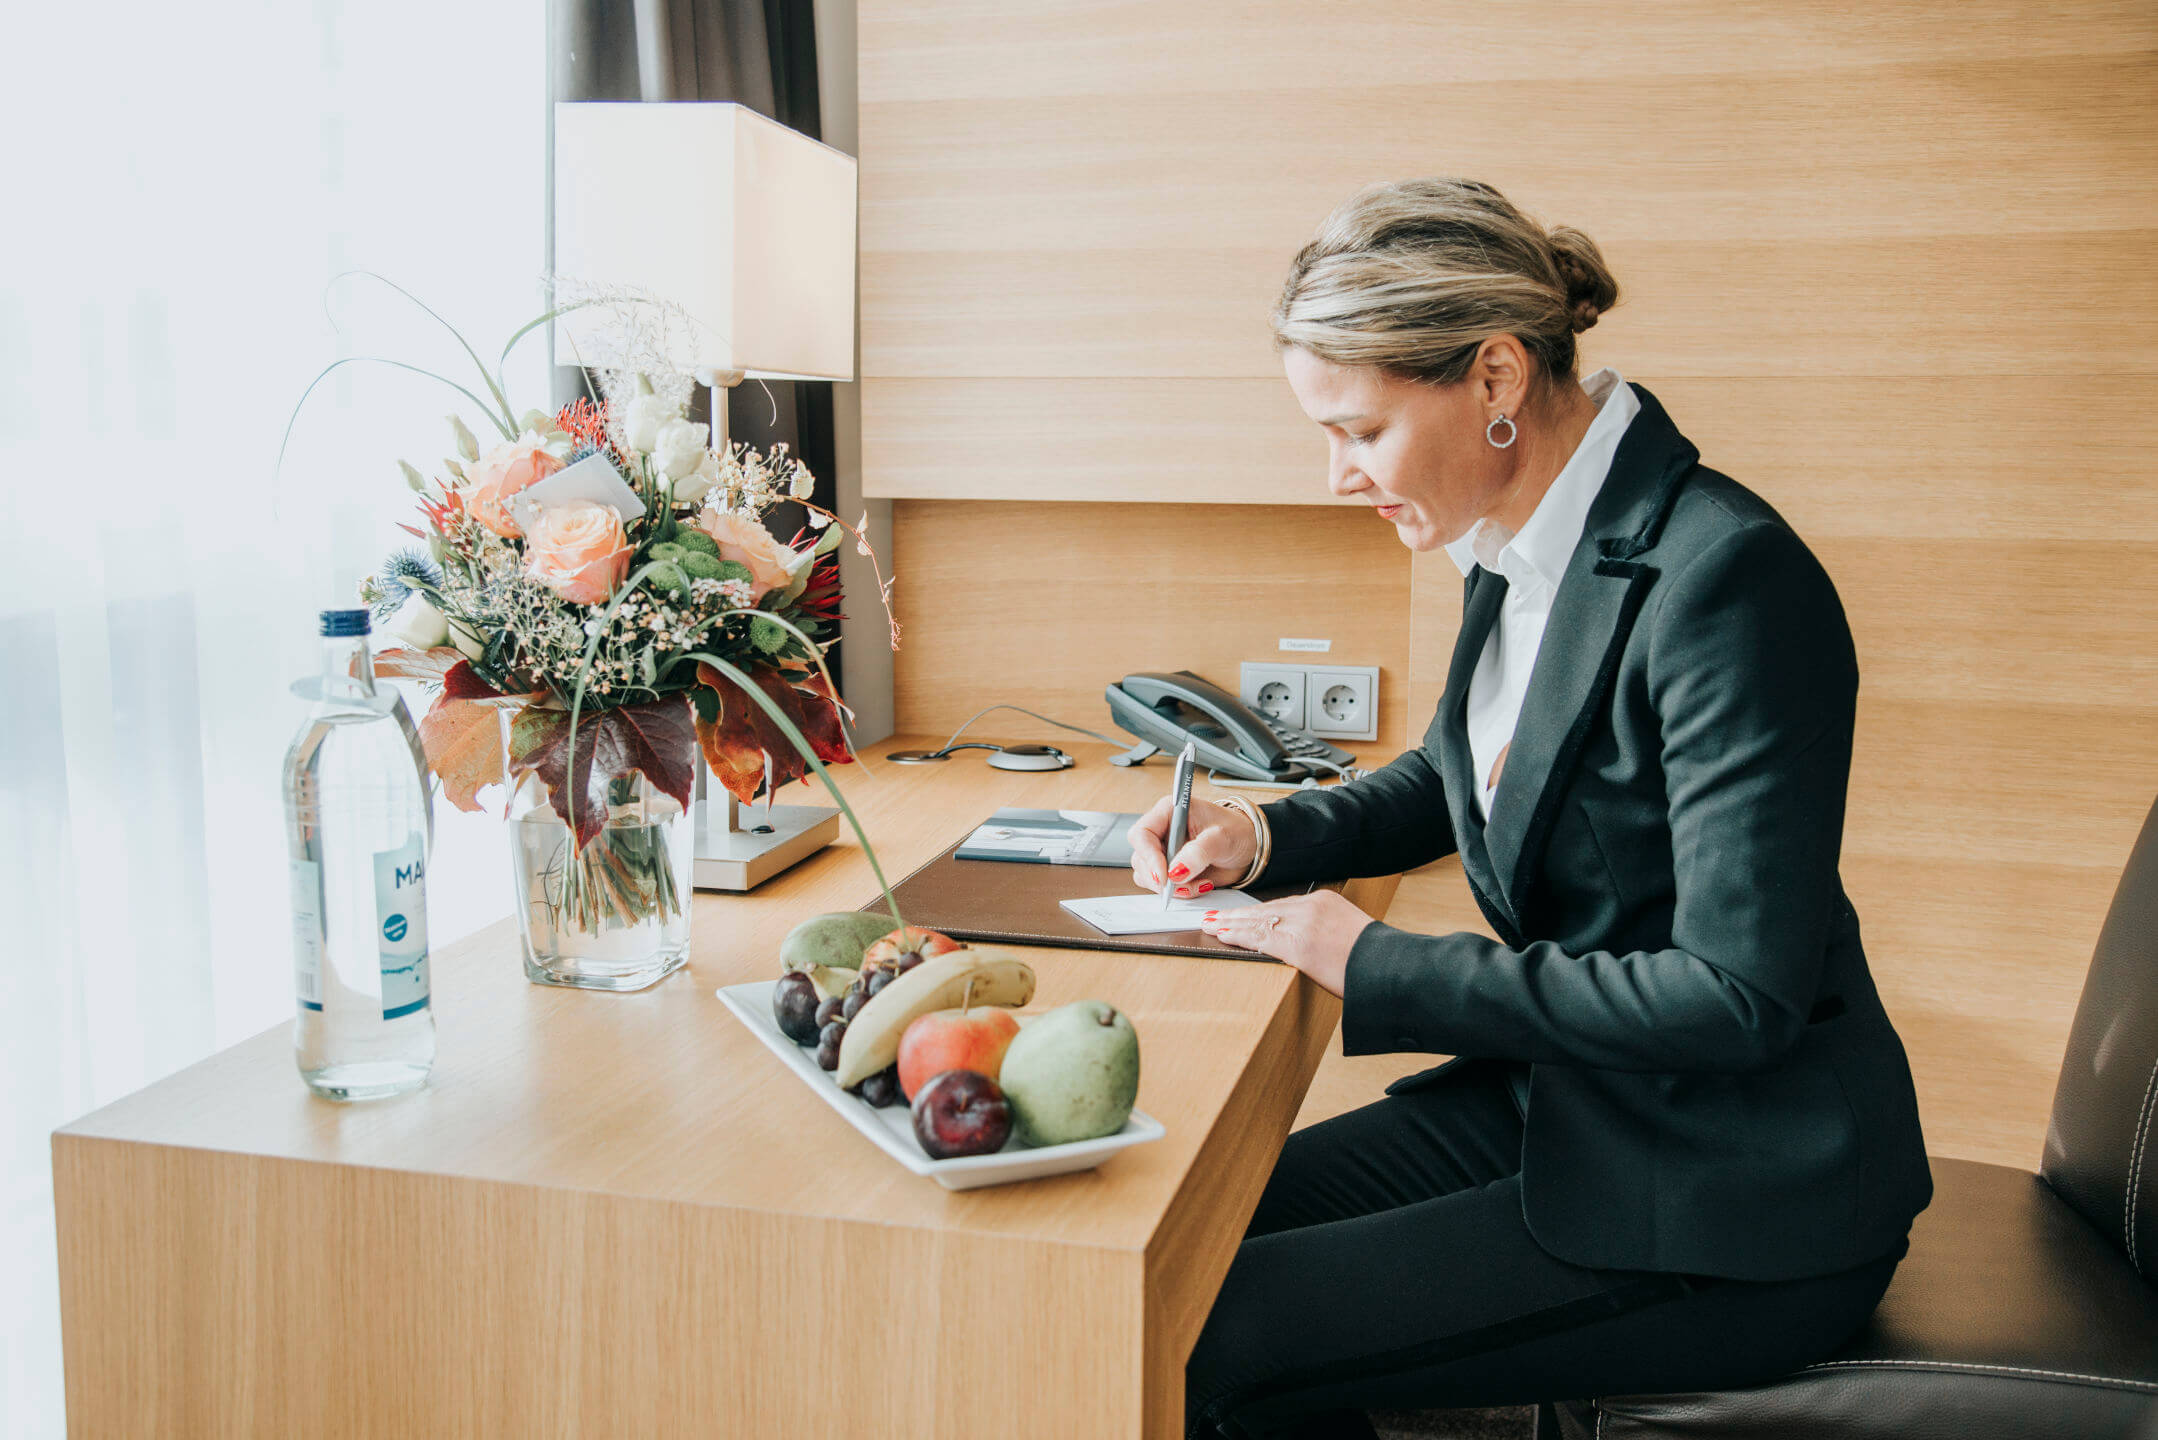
point(942, 1040)
point(902, 950)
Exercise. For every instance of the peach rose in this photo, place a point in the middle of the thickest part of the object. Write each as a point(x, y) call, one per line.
point(746, 542)
point(501, 473)
point(576, 549)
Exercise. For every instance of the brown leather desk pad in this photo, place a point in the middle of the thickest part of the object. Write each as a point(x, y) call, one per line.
point(1018, 904)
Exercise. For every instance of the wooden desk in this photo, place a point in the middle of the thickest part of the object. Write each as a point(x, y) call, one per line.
point(615, 1215)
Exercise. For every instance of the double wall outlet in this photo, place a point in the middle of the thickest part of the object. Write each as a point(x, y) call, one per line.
point(1339, 702)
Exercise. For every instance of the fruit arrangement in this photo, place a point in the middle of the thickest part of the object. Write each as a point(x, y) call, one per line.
point(913, 1016)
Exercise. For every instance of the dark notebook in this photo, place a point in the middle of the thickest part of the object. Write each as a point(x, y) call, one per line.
point(1022, 905)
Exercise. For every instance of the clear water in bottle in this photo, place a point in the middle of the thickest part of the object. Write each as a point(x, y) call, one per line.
point(361, 831)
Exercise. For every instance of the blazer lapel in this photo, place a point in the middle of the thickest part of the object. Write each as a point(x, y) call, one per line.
point(1592, 617)
point(1457, 767)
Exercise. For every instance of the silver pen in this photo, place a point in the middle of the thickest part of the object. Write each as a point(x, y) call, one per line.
point(1179, 815)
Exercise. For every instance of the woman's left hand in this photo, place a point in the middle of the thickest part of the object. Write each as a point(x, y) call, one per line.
point(1313, 932)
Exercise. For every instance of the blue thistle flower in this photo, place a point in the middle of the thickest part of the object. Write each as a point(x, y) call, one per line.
point(392, 580)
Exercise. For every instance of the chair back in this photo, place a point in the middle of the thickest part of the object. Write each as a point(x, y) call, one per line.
point(2101, 1155)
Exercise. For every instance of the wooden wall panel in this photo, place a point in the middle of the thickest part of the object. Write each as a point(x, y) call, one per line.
point(926, 50)
point(1043, 605)
point(1886, 263)
point(1138, 440)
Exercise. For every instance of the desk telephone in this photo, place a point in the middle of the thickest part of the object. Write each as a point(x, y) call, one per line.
point(1165, 710)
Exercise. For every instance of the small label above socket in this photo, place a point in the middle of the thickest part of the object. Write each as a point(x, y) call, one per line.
point(1319, 647)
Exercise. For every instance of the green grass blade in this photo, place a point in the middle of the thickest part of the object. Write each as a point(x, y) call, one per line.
point(509, 416)
point(294, 418)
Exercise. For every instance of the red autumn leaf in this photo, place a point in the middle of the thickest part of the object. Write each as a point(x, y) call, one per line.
point(737, 745)
point(656, 739)
point(462, 682)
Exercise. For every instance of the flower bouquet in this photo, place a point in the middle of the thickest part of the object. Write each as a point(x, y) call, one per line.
point(596, 599)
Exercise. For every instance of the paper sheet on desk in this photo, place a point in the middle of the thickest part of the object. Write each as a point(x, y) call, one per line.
point(1130, 914)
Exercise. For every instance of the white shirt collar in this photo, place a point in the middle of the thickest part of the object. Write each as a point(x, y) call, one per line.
point(1545, 545)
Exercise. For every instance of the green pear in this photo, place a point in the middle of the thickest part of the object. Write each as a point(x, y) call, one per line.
point(836, 940)
point(1072, 1074)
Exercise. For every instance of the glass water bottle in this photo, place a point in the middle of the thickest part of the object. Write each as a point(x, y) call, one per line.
point(361, 829)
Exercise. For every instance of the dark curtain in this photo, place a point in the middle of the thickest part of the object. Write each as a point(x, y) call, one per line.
point(759, 53)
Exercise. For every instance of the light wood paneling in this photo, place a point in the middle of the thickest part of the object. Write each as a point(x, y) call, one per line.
point(1044, 605)
point(1947, 305)
point(1145, 441)
point(990, 49)
point(1903, 147)
point(620, 1215)
point(2004, 457)
point(1887, 264)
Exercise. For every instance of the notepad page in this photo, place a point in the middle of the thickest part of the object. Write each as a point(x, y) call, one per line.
point(1140, 914)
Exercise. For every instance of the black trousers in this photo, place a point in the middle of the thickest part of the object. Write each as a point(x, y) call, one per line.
point(1388, 1267)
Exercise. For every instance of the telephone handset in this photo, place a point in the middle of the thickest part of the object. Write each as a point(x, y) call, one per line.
point(1166, 709)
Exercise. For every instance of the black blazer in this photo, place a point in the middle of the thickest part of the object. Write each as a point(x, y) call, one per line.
point(1713, 1085)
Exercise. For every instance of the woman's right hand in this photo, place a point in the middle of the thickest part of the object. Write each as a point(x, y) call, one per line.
point(1218, 850)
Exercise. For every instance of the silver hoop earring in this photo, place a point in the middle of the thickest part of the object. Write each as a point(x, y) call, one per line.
point(1511, 432)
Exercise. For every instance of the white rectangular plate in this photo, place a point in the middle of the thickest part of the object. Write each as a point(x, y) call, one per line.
point(892, 1128)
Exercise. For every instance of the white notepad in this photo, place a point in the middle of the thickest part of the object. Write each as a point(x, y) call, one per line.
point(1140, 914)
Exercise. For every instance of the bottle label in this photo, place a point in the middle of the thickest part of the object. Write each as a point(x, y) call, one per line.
point(401, 926)
point(307, 933)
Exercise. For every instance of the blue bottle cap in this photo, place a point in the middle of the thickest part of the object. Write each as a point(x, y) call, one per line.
point(345, 622)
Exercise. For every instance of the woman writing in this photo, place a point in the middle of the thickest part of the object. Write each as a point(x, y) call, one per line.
point(1680, 1148)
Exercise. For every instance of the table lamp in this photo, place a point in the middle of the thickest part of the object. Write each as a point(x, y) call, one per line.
point(750, 227)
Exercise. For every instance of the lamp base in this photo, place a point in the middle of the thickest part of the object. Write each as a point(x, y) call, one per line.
point(743, 859)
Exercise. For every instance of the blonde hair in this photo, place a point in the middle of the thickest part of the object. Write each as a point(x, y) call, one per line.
point(1412, 277)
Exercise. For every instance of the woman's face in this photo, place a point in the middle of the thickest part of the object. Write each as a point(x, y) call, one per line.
point(1414, 452)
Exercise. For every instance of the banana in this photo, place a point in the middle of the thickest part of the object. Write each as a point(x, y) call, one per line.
point(960, 977)
point(831, 981)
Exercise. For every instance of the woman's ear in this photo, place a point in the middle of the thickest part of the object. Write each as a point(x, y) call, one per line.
point(1500, 375)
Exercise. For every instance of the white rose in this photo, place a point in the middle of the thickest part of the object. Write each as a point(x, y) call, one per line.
point(691, 489)
point(678, 449)
point(642, 421)
point(419, 624)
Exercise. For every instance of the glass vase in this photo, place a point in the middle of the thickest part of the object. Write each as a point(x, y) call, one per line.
point(614, 915)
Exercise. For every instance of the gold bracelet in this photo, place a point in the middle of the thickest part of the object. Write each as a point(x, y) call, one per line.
point(1262, 836)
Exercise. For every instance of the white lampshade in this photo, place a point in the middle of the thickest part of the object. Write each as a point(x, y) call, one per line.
point(749, 226)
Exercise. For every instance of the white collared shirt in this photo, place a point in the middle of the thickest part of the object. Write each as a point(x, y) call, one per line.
point(1534, 562)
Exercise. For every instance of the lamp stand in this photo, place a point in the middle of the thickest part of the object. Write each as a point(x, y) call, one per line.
point(730, 855)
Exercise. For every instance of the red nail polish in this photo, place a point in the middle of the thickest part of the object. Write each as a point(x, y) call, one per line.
point(1205, 885)
point(1179, 872)
point(1209, 914)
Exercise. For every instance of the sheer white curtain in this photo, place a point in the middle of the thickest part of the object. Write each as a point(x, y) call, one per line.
point(183, 181)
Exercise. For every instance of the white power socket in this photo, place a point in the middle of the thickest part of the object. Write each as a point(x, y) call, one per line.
point(1275, 691)
point(1342, 701)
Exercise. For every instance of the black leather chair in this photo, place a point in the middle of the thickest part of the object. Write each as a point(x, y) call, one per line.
point(2028, 1305)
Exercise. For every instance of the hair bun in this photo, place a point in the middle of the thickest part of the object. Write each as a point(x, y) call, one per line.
point(1583, 276)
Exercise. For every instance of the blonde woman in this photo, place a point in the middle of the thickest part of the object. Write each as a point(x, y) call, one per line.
point(1680, 1149)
